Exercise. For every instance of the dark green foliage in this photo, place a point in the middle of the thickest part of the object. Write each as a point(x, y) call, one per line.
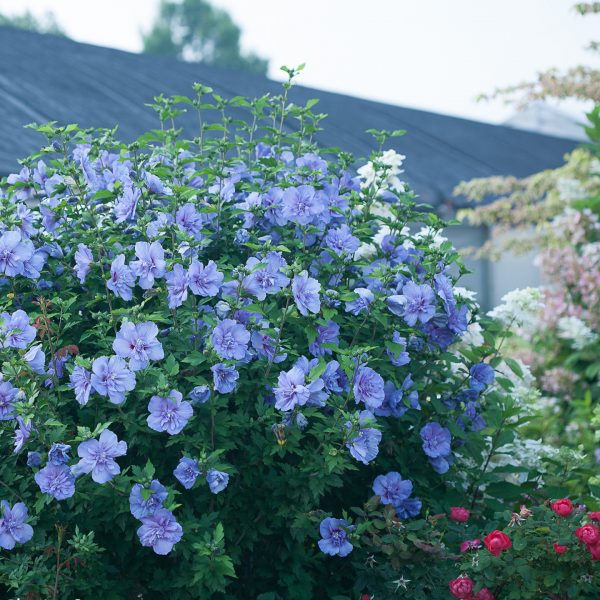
point(195, 30)
point(28, 21)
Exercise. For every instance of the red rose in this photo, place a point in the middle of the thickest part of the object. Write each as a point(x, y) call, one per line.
point(562, 507)
point(462, 587)
point(365, 597)
point(484, 594)
point(496, 541)
point(594, 516)
point(594, 550)
point(560, 549)
point(588, 534)
point(459, 514)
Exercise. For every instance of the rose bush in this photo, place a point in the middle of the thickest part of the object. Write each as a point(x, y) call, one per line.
point(545, 553)
point(536, 551)
point(212, 349)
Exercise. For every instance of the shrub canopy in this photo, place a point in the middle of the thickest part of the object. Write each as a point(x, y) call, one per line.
point(212, 349)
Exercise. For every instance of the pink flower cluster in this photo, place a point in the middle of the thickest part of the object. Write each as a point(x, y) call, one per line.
point(573, 274)
point(571, 264)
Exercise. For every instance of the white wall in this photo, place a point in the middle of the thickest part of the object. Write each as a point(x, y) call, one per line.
point(465, 236)
point(512, 271)
point(492, 279)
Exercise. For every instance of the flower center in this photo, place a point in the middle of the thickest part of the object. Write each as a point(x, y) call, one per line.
point(228, 341)
point(302, 206)
point(139, 346)
point(58, 482)
point(265, 279)
point(101, 456)
point(417, 304)
point(170, 416)
point(9, 524)
point(158, 532)
point(338, 536)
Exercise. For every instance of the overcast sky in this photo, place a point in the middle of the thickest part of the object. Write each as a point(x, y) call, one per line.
point(432, 54)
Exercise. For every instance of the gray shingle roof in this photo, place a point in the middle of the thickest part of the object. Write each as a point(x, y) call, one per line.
point(48, 78)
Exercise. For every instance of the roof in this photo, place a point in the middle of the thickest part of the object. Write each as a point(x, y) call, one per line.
point(49, 78)
point(543, 118)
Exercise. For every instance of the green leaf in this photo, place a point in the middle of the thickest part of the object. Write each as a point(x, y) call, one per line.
point(317, 370)
point(504, 490)
point(514, 366)
point(195, 358)
point(171, 365)
point(219, 534)
point(149, 469)
point(519, 543)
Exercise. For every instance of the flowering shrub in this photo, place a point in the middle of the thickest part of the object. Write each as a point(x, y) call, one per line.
point(213, 348)
point(544, 552)
point(556, 328)
point(547, 551)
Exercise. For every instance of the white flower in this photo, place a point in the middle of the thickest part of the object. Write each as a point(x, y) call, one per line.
point(526, 379)
point(524, 392)
point(378, 237)
point(365, 251)
point(576, 331)
point(462, 293)
point(521, 307)
point(570, 189)
point(523, 453)
point(472, 336)
point(392, 159)
point(393, 183)
point(367, 173)
point(385, 178)
point(382, 209)
point(591, 251)
point(433, 236)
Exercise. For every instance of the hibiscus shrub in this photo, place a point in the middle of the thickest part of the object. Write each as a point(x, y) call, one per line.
point(213, 348)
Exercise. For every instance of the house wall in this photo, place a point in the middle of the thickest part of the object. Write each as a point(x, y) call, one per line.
point(466, 236)
point(513, 271)
point(492, 279)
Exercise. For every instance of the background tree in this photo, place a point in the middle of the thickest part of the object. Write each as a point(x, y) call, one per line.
point(194, 30)
point(27, 20)
point(531, 202)
point(557, 214)
point(580, 82)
